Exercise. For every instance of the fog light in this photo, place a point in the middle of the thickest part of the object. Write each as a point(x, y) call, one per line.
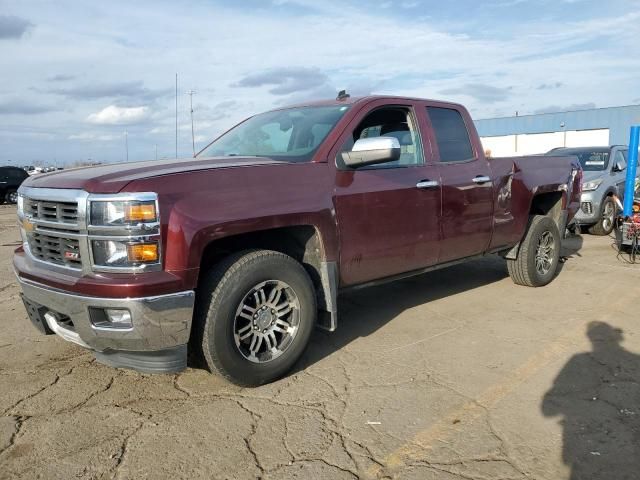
point(112, 318)
point(142, 252)
point(119, 317)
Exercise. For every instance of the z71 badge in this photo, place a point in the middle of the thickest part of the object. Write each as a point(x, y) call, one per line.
point(71, 255)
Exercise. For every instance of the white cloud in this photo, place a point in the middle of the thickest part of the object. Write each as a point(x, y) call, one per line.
point(90, 137)
point(113, 115)
point(397, 51)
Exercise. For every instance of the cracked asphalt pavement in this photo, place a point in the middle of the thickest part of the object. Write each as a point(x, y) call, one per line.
point(457, 374)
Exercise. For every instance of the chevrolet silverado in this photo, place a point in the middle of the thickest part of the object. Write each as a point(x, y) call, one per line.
point(234, 255)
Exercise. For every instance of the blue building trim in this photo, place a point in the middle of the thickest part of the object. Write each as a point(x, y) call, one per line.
point(617, 119)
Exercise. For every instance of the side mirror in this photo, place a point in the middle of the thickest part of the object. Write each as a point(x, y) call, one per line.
point(619, 166)
point(372, 151)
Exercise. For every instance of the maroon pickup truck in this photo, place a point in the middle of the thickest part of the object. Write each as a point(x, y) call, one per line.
point(236, 254)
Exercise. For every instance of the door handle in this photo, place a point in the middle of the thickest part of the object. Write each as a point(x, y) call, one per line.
point(481, 179)
point(427, 184)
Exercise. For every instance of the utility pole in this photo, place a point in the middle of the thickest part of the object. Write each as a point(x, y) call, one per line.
point(176, 115)
point(126, 143)
point(193, 137)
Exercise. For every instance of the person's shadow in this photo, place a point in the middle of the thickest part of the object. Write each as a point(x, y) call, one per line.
point(597, 394)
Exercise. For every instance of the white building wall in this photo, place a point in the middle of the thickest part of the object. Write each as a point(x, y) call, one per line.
point(536, 143)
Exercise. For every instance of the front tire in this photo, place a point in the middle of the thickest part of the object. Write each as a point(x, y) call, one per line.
point(254, 317)
point(607, 218)
point(539, 254)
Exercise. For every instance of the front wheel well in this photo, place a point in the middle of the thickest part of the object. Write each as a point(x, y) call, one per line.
point(301, 242)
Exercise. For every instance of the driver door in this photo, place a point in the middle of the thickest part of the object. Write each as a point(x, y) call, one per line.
point(388, 215)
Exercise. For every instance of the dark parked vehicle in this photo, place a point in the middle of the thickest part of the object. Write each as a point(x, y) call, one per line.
point(236, 254)
point(10, 180)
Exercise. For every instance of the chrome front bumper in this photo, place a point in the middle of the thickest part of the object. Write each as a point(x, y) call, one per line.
point(161, 323)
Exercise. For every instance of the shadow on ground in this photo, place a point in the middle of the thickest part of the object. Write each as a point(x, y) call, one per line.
point(597, 397)
point(363, 312)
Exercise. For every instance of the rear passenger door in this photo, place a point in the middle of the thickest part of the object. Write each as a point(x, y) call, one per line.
point(467, 190)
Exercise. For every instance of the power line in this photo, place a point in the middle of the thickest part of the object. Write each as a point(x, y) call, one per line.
point(176, 115)
point(126, 143)
point(191, 93)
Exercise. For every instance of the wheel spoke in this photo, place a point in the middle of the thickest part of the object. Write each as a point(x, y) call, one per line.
point(275, 295)
point(245, 332)
point(274, 340)
point(255, 344)
point(263, 296)
point(283, 309)
point(247, 312)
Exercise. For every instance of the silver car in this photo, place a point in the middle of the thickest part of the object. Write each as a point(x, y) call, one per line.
point(604, 176)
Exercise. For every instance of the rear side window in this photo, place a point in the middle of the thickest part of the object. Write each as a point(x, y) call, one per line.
point(451, 134)
point(17, 174)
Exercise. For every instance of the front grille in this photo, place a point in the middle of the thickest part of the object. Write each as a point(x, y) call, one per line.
point(587, 207)
point(54, 212)
point(58, 250)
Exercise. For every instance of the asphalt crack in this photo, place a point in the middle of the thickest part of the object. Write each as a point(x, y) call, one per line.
point(19, 421)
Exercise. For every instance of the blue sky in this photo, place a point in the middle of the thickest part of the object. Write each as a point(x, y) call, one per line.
point(77, 75)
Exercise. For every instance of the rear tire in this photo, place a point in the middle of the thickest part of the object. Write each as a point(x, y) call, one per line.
point(254, 316)
point(607, 218)
point(539, 254)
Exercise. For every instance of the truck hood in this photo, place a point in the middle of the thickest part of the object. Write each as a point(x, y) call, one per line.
point(112, 178)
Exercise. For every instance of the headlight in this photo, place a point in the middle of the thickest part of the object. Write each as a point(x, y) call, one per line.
point(127, 254)
point(123, 213)
point(124, 232)
point(20, 204)
point(590, 186)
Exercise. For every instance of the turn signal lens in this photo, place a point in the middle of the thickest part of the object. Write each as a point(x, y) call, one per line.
point(143, 252)
point(140, 212)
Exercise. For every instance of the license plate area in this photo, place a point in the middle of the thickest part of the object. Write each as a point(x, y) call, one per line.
point(36, 312)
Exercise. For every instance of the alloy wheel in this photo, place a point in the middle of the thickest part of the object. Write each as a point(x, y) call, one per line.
point(266, 321)
point(608, 216)
point(545, 253)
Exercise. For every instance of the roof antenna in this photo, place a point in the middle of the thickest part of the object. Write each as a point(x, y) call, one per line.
point(342, 95)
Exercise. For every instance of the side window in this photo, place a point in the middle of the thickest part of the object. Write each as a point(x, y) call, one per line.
point(388, 122)
point(451, 134)
point(620, 158)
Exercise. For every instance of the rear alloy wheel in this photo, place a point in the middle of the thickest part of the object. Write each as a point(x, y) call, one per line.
point(11, 197)
point(607, 218)
point(254, 316)
point(539, 254)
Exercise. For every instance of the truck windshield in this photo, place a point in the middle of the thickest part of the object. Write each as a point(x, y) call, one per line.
point(292, 134)
point(591, 159)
